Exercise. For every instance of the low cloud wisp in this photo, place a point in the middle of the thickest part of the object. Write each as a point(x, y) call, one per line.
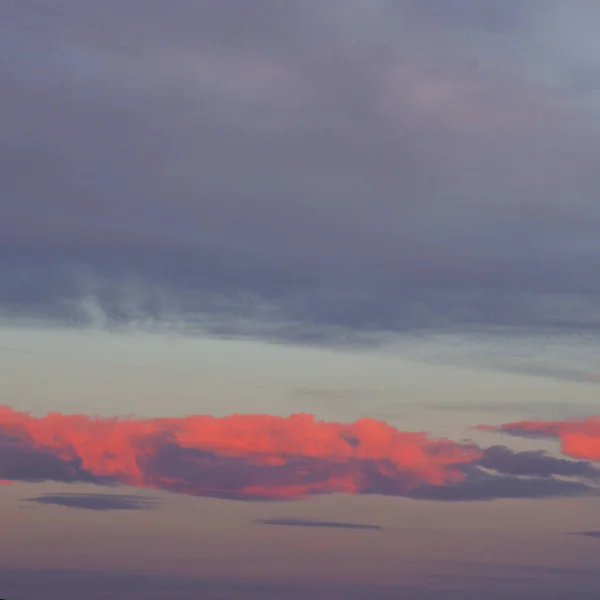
point(99, 502)
point(590, 534)
point(326, 524)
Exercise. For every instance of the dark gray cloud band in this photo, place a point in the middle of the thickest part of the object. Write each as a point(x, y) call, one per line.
point(312, 172)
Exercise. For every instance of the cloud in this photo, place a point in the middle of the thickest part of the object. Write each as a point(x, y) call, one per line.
point(263, 457)
point(555, 372)
point(479, 486)
point(591, 534)
point(26, 463)
point(505, 473)
point(327, 524)
point(100, 502)
point(347, 171)
point(534, 463)
point(578, 438)
point(240, 456)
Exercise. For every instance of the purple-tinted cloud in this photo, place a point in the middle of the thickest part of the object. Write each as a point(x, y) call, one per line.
point(21, 462)
point(263, 457)
point(288, 522)
point(311, 172)
point(505, 473)
point(535, 463)
point(590, 534)
point(98, 502)
point(452, 580)
point(482, 486)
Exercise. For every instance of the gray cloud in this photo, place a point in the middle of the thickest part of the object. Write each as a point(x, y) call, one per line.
point(591, 534)
point(21, 462)
point(288, 522)
point(506, 473)
point(481, 486)
point(555, 372)
point(499, 473)
point(535, 463)
point(309, 172)
point(99, 502)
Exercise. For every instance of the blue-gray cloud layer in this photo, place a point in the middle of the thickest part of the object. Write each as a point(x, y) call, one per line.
point(305, 171)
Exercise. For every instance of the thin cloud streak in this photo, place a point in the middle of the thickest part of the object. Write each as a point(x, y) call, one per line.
point(480, 486)
point(589, 534)
point(97, 502)
point(325, 524)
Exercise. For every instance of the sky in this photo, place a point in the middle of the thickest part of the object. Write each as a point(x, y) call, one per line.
point(299, 299)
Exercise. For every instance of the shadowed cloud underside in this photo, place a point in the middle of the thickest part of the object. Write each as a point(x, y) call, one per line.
point(241, 456)
point(263, 457)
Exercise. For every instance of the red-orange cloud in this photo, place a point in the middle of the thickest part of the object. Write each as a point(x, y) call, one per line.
point(239, 456)
point(578, 438)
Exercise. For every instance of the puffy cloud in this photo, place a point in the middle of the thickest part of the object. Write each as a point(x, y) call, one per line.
point(240, 456)
point(263, 457)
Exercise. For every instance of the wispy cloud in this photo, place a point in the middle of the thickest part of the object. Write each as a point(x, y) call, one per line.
point(482, 486)
point(288, 522)
point(99, 502)
point(535, 463)
point(505, 473)
point(590, 534)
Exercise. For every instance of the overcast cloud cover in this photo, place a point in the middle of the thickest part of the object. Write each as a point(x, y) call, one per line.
point(315, 171)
